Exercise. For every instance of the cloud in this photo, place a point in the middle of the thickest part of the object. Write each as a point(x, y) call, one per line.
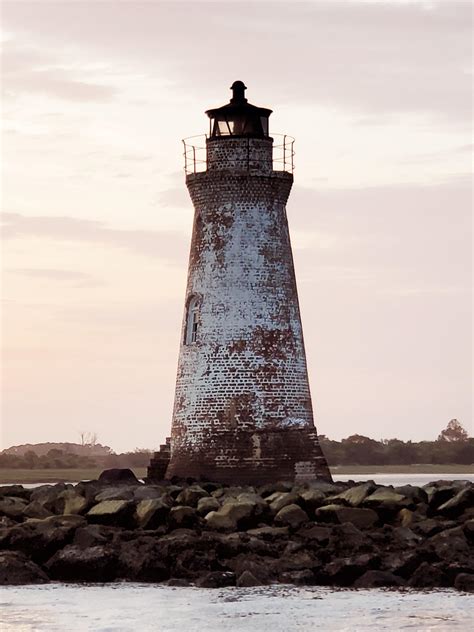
point(81, 279)
point(31, 71)
point(169, 246)
point(382, 57)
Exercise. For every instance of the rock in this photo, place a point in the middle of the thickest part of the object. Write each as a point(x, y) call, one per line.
point(282, 499)
point(468, 529)
point(216, 579)
point(345, 571)
point(416, 494)
point(93, 564)
point(73, 503)
point(36, 510)
point(48, 495)
point(118, 475)
point(312, 499)
point(39, 539)
point(405, 517)
point(450, 545)
point(16, 569)
point(378, 579)
point(178, 582)
point(317, 534)
point(300, 578)
point(15, 490)
point(112, 512)
point(205, 505)
point(182, 516)
point(141, 560)
point(386, 498)
point(361, 518)
point(269, 533)
point(427, 576)
point(191, 495)
point(464, 582)
point(232, 515)
point(248, 580)
point(6, 522)
point(354, 496)
point(148, 492)
point(438, 495)
point(456, 505)
point(325, 487)
point(151, 513)
point(432, 526)
point(271, 488)
point(12, 507)
point(298, 560)
point(119, 492)
point(93, 535)
point(291, 515)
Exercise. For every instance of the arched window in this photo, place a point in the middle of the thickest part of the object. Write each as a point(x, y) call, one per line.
point(192, 321)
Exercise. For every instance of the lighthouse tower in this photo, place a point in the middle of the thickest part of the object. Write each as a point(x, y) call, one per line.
point(242, 411)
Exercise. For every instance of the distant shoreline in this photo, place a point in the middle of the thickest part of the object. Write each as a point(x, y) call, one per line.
point(9, 476)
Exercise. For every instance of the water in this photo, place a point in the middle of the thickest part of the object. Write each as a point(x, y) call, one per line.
point(142, 608)
point(403, 479)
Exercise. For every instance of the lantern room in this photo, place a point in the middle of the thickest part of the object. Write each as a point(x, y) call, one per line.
point(238, 118)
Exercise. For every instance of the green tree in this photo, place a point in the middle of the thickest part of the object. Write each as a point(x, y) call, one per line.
point(453, 432)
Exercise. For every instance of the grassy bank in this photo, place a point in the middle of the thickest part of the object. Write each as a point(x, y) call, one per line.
point(10, 476)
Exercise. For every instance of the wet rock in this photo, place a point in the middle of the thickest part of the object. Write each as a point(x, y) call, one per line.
point(118, 492)
point(16, 569)
point(112, 512)
point(450, 545)
point(205, 505)
point(345, 571)
point(300, 578)
point(361, 518)
point(39, 539)
point(182, 516)
point(151, 513)
point(232, 515)
point(191, 495)
point(248, 580)
point(178, 582)
point(93, 535)
point(93, 564)
point(464, 582)
point(378, 579)
point(142, 560)
point(317, 534)
point(427, 576)
point(216, 579)
point(291, 515)
point(118, 475)
point(12, 507)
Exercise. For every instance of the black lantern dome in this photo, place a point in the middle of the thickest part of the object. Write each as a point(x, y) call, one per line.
point(238, 118)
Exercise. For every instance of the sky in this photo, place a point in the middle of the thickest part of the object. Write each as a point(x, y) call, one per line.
point(97, 220)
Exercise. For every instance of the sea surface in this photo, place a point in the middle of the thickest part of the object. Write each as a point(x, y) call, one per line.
point(131, 607)
point(143, 608)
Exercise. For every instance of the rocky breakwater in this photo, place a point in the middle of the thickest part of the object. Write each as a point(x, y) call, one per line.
point(211, 535)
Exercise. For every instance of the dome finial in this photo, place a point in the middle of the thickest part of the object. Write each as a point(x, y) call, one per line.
point(238, 92)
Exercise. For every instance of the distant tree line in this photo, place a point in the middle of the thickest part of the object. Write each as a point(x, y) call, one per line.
point(453, 446)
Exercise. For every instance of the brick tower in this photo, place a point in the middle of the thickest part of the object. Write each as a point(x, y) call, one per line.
point(242, 411)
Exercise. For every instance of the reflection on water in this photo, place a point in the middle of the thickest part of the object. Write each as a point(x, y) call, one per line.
point(141, 607)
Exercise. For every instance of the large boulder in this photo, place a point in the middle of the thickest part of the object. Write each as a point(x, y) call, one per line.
point(147, 492)
point(292, 516)
point(72, 502)
point(49, 496)
point(36, 510)
point(16, 569)
point(279, 500)
point(117, 513)
point(141, 560)
point(216, 579)
point(191, 495)
point(232, 515)
point(115, 492)
point(182, 517)
point(12, 506)
point(361, 518)
point(151, 513)
point(344, 571)
point(93, 564)
point(354, 496)
point(248, 580)
point(205, 505)
point(15, 490)
point(39, 539)
point(118, 475)
point(427, 575)
point(312, 499)
point(386, 498)
point(456, 505)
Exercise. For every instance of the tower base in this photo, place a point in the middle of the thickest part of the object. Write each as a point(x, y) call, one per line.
point(252, 458)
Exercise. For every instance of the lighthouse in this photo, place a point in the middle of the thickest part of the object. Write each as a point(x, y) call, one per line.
point(242, 410)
